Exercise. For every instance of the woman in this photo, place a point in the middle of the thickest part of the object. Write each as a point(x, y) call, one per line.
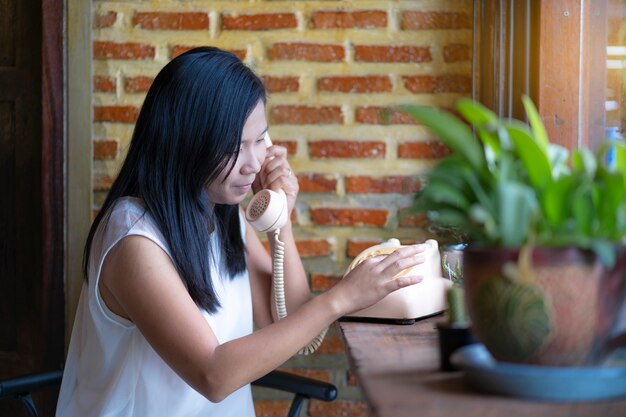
point(176, 277)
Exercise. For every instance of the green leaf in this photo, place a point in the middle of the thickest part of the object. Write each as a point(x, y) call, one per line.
point(613, 191)
point(475, 113)
point(554, 200)
point(558, 156)
point(534, 158)
point(448, 217)
point(620, 159)
point(442, 193)
point(583, 208)
point(517, 206)
point(454, 133)
point(480, 215)
point(584, 162)
point(539, 130)
point(492, 147)
point(483, 194)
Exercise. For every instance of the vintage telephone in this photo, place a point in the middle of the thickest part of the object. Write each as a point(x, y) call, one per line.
point(408, 304)
point(267, 212)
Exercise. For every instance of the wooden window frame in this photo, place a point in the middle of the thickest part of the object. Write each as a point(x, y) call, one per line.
point(554, 51)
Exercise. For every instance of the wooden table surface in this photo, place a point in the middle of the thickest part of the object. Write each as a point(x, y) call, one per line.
point(397, 367)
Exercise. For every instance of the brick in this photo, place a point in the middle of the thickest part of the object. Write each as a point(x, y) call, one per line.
point(296, 51)
point(104, 84)
point(367, 84)
point(337, 19)
point(323, 149)
point(305, 115)
point(140, 84)
point(398, 184)
point(456, 52)
point(171, 20)
point(104, 20)
point(382, 116)
point(128, 50)
point(290, 145)
point(317, 183)
point(416, 20)
point(355, 247)
point(407, 218)
point(102, 182)
point(281, 84)
point(331, 346)
point(322, 282)
point(261, 21)
point(179, 49)
point(388, 53)
point(339, 408)
point(314, 247)
point(104, 149)
point(116, 114)
point(432, 149)
point(349, 217)
point(427, 84)
point(271, 408)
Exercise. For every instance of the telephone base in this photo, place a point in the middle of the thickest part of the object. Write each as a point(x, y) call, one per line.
point(423, 299)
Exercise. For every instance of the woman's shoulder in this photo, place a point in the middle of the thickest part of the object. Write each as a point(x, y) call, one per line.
point(129, 205)
point(129, 216)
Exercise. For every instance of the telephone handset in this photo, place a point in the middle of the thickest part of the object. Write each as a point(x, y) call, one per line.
point(268, 212)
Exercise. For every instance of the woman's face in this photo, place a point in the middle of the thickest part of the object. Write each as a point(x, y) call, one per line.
point(232, 189)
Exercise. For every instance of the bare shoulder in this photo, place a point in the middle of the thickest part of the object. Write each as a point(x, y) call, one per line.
point(134, 267)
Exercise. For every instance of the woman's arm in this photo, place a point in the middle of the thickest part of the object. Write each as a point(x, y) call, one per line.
point(140, 283)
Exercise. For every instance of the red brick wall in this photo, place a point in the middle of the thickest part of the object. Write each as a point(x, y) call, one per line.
point(334, 70)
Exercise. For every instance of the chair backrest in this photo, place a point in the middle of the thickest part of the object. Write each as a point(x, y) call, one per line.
point(22, 387)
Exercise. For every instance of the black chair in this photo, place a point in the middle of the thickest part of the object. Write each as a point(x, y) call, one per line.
point(304, 388)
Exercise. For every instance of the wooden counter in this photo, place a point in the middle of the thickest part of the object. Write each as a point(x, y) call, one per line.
point(397, 367)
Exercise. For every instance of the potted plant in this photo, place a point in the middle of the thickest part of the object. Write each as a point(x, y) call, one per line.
point(543, 228)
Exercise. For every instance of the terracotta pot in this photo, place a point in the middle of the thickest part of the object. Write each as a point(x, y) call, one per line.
point(562, 313)
point(611, 331)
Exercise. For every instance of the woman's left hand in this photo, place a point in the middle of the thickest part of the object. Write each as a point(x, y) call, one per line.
point(276, 174)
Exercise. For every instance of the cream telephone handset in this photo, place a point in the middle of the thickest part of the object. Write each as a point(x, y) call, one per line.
point(268, 212)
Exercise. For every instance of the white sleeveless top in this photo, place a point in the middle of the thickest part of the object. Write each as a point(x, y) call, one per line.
point(112, 371)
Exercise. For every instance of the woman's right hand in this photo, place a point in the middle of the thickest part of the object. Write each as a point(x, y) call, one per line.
point(373, 279)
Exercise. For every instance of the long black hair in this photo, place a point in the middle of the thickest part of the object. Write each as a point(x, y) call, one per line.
point(188, 130)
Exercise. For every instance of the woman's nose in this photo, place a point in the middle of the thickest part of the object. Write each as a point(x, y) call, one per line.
point(253, 161)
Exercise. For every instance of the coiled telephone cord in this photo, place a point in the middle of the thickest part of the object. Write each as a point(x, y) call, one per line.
point(279, 292)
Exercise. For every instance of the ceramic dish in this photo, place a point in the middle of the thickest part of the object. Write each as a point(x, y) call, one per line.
point(539, 382)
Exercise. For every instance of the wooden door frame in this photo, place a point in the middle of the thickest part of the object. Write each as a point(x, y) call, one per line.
point(66, 164)
point(53, 183)
point(79, 151)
